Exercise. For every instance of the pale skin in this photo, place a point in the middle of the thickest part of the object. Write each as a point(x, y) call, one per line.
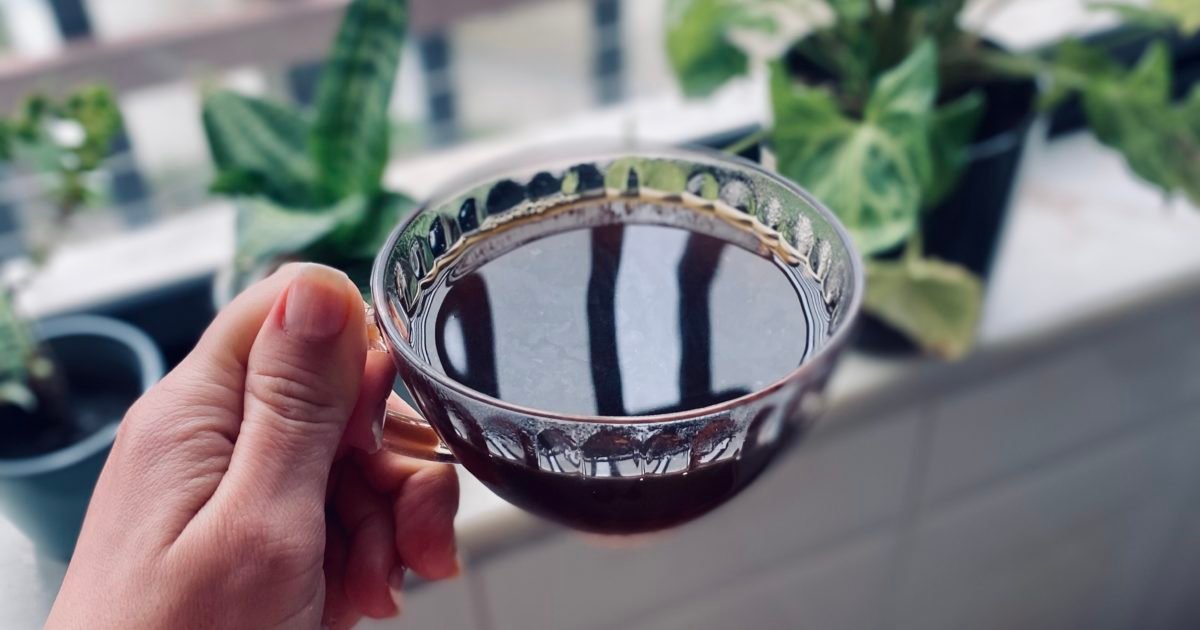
point(247, 489)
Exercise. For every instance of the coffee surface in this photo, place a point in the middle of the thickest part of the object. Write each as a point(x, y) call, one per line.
point(621, 320)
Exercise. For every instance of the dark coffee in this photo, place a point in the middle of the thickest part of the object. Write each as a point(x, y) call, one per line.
point(617, 319)
point(616, 505)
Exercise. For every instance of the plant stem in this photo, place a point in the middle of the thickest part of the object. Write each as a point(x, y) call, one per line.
point(915, 248)
point(748, 141)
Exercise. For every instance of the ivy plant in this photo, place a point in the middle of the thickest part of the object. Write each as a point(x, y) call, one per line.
point(872, 129)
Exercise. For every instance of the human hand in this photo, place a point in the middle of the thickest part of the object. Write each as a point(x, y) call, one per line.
point(238, 492)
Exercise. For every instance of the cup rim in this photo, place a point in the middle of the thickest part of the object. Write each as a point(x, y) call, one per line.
point(562, 151)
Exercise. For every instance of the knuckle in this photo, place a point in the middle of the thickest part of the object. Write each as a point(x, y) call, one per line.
point(292, 393)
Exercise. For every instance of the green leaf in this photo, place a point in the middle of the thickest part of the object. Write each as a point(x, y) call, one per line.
point(936, 304)
point(909, 89)
point(953, 128)
point(857, 168)
point(259, 148)
point(16, 343)
point(349, 144)
point(1181, 14)
point(871, 172)
point(266, 230)
point(851, 10)
point(698, 45)
point(1190, 111)
point(1133, 114)
point(1074, 59)
point(1186, 14)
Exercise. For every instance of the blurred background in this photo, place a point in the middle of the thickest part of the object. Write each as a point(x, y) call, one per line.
point(1047, 477)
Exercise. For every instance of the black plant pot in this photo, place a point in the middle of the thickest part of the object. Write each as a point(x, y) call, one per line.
point(966, 227)
point(106, 365)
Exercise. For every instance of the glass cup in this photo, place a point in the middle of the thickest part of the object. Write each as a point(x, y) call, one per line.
point(609, 474)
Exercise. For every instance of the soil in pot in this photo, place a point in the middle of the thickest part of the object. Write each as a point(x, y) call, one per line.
point(77, 399)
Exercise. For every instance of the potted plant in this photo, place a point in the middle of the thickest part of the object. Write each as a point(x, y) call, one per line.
point(64, 384)
point(309, 186)
point(910, 128)
point(59, 143)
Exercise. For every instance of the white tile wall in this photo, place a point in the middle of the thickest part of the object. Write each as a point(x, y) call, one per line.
point(1036, 413)
point(436, 606)
point(1021, 418)
point(832, 591)
point(1174, 604)
point(1171, 599)
point(826, 491)
point(1051, 550)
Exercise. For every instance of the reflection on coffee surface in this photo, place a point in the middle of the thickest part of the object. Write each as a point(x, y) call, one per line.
point(620, 320)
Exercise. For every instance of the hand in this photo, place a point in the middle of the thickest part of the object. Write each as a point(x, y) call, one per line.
point(238, 494)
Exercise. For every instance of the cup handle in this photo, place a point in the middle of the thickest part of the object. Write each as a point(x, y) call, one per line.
point(406, 434)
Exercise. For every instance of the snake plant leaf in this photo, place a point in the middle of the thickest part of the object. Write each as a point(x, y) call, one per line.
point(349, 144)
point(267, 230)
point(698, 45)
point(953, 128)
point(363, 238)
point(871, 172)
point(259, 148)
point(1133, 113)
point(935, 303)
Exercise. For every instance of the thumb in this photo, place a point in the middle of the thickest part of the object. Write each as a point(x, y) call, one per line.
point(302, 380)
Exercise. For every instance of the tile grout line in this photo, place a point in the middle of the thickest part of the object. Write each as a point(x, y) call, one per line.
point(906, 525)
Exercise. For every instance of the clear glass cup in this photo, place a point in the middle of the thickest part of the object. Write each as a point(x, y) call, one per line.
point(610, 474)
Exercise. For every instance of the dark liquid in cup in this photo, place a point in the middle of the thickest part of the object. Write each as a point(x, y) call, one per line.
point(619, 320)
point(616, 505)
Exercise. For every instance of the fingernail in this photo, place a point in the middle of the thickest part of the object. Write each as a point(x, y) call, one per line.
point(396, 578)
point(396, 586)
point(442, 568)
point(316, 306)
point(377, 425)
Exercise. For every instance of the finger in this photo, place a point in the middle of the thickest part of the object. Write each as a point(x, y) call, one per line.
point(302, 379)
point(178, 438)
point(231, 334)
point(364, 430)
point(387, 472)
point(425, 500)
point(367, 520)
point(338, 612)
